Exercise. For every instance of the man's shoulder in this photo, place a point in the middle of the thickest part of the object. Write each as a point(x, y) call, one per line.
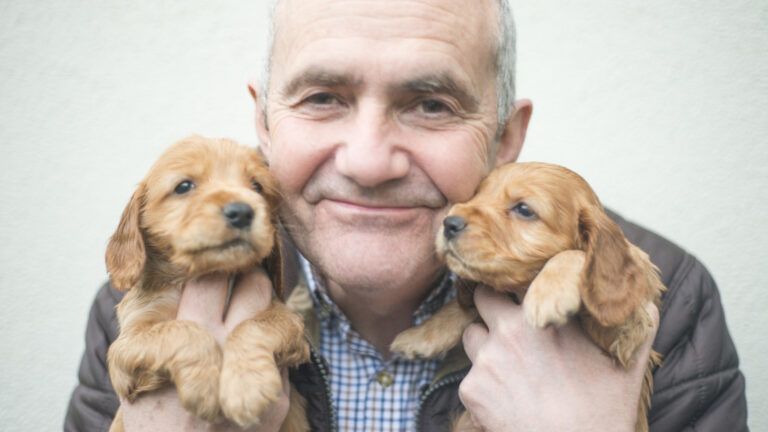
point(93, 402)
point(107, 297)
point(103, 308)
point(699, 384)
point(689, 285)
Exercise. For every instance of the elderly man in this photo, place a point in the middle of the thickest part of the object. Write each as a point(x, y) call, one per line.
point(376, 116)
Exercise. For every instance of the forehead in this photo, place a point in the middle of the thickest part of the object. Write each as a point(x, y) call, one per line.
point(409, 36)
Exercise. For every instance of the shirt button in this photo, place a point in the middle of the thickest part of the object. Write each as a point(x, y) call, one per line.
point(385, 379)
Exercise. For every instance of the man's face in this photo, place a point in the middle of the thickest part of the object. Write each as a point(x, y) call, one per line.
point(380, 116)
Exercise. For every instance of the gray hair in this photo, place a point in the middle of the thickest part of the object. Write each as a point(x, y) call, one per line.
point(506, 56)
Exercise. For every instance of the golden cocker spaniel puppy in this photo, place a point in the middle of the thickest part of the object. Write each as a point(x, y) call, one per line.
point(207, 205)
point(539, 232)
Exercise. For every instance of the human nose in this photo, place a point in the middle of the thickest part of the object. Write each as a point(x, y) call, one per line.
point(371, 153)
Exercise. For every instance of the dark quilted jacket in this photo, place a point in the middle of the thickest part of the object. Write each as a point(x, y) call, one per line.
point(698, 388)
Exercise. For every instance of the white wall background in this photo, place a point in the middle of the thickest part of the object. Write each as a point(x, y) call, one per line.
point(662, 106)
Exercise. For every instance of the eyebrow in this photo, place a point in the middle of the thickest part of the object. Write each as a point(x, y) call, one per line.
point(438, 83)
point(441, 83)
point(321, 77)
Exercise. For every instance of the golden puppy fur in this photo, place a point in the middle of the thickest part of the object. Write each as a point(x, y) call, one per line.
point(188, 217)
point(539, 230)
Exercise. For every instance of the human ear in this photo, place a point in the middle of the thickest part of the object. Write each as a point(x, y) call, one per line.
point(262, 130)
point(513, 136)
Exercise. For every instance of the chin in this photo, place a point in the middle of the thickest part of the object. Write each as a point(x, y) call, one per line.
point(374, 261)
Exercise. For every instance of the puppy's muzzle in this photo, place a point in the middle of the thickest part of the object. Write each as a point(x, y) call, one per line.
point(453, 226)
point(239, 215)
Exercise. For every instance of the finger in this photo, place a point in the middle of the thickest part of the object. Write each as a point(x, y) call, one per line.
point(155, 411)
point(286, 383)
point(252, 294)
point(203, 298)
point(653, 311)
point(473, 338)
point(495, 307)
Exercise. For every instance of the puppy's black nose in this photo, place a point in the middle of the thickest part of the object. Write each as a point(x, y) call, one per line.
point(452, 226)
point(238, 214)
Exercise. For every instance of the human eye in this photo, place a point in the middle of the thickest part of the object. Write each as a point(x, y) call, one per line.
point(434, 107)
point(320, 105)
point(322, 99)
point(321, 102)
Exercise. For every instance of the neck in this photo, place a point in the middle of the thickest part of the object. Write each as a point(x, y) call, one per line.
point(380, 315)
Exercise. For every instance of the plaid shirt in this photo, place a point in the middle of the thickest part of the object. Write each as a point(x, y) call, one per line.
point(370, 393)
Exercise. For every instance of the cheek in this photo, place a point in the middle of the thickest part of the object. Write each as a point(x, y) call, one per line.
point(456, 163)
point(455, 159)
point(297, 151)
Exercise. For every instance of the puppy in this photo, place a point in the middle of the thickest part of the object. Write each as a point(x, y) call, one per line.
point(205, 206)
point(539, 230)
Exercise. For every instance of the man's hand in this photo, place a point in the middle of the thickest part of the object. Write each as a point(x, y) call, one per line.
point(529, 379)
point(203, 301)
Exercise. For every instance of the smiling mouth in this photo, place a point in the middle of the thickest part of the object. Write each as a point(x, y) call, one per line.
point(365, 217)
point(373, 207)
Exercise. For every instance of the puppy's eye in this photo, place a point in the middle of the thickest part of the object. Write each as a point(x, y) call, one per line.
point(256, 186)
point(521, 209)
point(184, 187)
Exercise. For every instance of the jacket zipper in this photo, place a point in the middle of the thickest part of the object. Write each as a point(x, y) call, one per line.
point(448, 380)
point(318, 361)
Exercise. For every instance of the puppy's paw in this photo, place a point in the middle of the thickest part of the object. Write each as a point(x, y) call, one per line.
point(123, 382)
point(416, 343)
point(294, 353)
point(554, 295)
point(546, 308)
point(198, 389)
point(435, 336)
point(248, 388)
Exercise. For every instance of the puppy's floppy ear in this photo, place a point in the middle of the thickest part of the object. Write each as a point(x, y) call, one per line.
point(126, 253)
point(273, 265)
point(613, 283)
